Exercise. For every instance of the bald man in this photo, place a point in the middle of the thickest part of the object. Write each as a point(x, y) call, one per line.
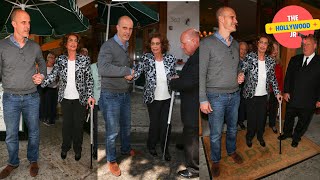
point(18, 56)
point(219, 85)
point(188, 86)
point(114, 69)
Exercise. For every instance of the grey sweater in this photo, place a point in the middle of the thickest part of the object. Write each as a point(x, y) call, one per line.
point(18, 65)
point(113, 65)
point(218, 67)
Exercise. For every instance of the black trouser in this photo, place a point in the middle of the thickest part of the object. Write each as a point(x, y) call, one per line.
point(158, 115)
point(256, 116)
point(273, 109)
point(73, 114)
point(242, 110)
point(48, 104)
point(304, 119)
point(191, 148)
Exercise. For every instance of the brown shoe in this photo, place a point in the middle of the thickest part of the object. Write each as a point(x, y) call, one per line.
point(6, 171)
point(215, 170)
point(132, 152)
point(237, 159)
point(34, 169)
point(114, 168)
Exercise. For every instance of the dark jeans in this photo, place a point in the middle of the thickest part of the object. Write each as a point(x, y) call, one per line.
point(48, 104)
point(257, 115)
point(191, 148)
point(73, 114)
point(273, 109)
point(158, 115)
point(304, 119)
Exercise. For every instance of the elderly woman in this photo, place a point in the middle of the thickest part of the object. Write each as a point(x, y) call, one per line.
point(49, 96)
point(75, 92)
point(159, 68)
point(273, 103)
point(259, 69)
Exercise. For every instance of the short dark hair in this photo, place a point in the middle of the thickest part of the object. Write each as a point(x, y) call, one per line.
point(65, 40)
point(163, 40)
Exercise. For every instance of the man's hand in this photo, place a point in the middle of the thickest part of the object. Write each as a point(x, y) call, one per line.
point(130, 77)
point(37, 78)
point(240, 78)
point(318, 104)
point(279, 97)
point(206, 107)
point(286, 96)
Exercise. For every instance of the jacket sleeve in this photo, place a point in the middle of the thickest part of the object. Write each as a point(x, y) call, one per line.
point(189, 80)
point(52, 76)
point(289, 76)
point(106, 67)
point(88, 78)
point(139, 67)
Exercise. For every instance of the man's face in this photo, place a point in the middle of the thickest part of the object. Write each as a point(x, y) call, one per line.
point(243, 51)
point(51, 60)
point(21, 24)
point(188, 45)
point(309, 47)
point(229, 20)
point(124, 29)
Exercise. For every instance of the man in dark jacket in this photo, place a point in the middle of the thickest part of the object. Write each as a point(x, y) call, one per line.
point(301, 90)
point(188, 85)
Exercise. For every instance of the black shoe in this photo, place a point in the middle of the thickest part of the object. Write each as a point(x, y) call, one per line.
point(77, 156)
point(249, 143)
point(153, 152)
point(262, 143)
point(283, 137)
point(187, 174)
point(180, 146)
point(63, 155)
point(242, 126)
point(294, 144)
point(274, 129)
point(167, 156)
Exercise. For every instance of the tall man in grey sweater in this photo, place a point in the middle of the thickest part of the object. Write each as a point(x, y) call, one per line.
point(18, 56)
point(115, 72)
point(219, 88)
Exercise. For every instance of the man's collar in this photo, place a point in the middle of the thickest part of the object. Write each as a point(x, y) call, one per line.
point(117, 39)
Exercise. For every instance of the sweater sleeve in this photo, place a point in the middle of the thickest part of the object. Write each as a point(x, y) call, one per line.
point(106, 67)
point(203, 70)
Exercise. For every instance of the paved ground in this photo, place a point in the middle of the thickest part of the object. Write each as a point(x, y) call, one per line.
point(308, 169)
point(140, 167)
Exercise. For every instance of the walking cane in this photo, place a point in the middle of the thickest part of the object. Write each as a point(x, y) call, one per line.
point(91, 133)
point(280, 128)
point(169, 121)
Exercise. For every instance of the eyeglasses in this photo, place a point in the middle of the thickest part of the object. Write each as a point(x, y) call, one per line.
point(264, 43)
point(155, 43)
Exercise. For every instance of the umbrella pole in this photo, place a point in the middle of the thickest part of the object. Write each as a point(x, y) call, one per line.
point(280, 128)
point(169, 121)
point(108, 21)
point(91, 134)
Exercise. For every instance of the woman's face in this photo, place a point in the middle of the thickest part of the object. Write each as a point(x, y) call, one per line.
point(72, 43)
point(156, 46)
point(263, 45)
point(275, 51)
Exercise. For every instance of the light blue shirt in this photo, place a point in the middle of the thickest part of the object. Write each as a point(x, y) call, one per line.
point(125, 47)
point(15, 42)
point(216, 34)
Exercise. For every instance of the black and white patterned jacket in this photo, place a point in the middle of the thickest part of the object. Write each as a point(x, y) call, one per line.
point(84, 80)
point(250, 68)
point(148, 67)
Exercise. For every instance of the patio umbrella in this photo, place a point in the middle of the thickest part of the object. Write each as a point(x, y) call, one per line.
point(48, 17)
point(141, 15)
